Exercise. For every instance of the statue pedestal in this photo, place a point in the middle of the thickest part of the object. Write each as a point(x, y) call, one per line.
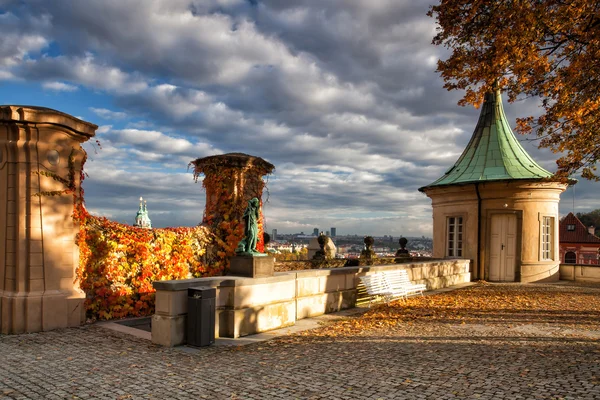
point(252, 266)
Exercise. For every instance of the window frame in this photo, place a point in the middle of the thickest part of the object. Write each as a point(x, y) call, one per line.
point(547, 235)
point(455, 236)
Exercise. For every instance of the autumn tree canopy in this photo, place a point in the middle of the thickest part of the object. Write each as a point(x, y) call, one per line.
point(590, 218)
point(549, 49)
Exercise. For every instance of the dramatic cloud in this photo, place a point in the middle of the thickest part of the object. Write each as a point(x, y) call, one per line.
point(341, 96)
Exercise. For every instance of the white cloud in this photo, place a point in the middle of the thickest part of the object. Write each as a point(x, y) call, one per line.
point(59, 86)
point(108, 114)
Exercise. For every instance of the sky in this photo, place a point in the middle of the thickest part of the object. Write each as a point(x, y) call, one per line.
point(341, 96)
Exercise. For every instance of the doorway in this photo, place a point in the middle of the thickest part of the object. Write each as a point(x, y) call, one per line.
point(570, 257)
point(503, 248)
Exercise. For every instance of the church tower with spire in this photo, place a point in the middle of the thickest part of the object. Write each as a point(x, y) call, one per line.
point(497, 206)
point(142, 220)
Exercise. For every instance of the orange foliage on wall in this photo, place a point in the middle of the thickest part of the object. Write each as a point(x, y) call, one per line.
point(118, 263)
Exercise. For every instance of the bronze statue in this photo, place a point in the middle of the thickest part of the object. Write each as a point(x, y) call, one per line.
point(248, 244)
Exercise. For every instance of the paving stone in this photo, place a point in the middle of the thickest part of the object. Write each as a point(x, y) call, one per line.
point(429, 360)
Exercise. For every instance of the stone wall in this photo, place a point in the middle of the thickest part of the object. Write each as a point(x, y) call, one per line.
point(580, 273)
point(245, 306)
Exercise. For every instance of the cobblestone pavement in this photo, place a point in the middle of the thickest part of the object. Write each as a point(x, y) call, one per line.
point(523, 360)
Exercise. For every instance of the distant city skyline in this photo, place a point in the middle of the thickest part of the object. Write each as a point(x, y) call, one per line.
point(311, 234)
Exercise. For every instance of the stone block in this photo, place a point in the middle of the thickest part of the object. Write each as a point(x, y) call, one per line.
point(352, 280)
point(3, 315)
point(33, 313)
point(431, 271)
point(10, 285)
point(251, 320)
point(325, 303)
point(308, 286)
point(76, 311)
point(311, 306)
point(252, 267)
point(332, 283)
point(266, 293)
point(36, 272)
point(35, 246)
point(341, 300)
point(169, 330)
point(225, 296)
point(17, 322)
point(54, 311)
point(225, 321)
point(446, 269)
point(171, 303)
point(587, 273)
point(36, 285)
point(11, 270)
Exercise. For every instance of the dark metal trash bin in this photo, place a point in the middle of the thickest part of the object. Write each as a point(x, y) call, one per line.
point(201, 316)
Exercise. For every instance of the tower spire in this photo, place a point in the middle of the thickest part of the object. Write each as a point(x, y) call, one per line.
point(142, 220)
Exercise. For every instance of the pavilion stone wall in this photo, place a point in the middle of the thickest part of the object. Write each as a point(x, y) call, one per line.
point(38, 254)
point(529, 200)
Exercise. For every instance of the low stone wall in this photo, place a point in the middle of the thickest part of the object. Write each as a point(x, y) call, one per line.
point(580, 273)
point(245, 306)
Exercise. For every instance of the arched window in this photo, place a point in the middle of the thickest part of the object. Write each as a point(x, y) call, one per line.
point(570, 257)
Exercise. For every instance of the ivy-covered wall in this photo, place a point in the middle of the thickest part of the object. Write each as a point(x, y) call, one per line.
point(118, 263)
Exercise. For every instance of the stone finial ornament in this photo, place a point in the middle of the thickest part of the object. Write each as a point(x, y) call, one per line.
point(321, 254)
point(402, 252)
point(368, 252)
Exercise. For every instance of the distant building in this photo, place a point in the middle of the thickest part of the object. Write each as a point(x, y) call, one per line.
point(578, 244)
point(316, 232)
point(142, 220)
point(327, 233)
point(274, 235)
point(333, 232)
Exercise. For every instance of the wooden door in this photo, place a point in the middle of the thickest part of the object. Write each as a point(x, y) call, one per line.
point(503, 248)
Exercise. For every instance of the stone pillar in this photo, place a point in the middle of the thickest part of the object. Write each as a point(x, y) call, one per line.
point(230, 180)
point(40, 169)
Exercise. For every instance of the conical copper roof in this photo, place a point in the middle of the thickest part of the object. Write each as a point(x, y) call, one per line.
point(493, 153)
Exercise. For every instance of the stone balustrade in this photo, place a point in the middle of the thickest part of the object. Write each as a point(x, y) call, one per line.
point(246, 306)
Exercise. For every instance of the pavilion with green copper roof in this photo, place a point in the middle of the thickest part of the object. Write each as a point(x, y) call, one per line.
point(497, 207)
point(493, 153)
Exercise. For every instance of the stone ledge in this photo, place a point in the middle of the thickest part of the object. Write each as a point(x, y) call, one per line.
point(243, 307)
point(244, 281)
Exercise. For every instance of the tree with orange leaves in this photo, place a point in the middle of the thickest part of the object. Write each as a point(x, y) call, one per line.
point(549, 49)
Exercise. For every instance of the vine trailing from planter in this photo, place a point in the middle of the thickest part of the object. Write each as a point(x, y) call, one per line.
point(230, 180)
